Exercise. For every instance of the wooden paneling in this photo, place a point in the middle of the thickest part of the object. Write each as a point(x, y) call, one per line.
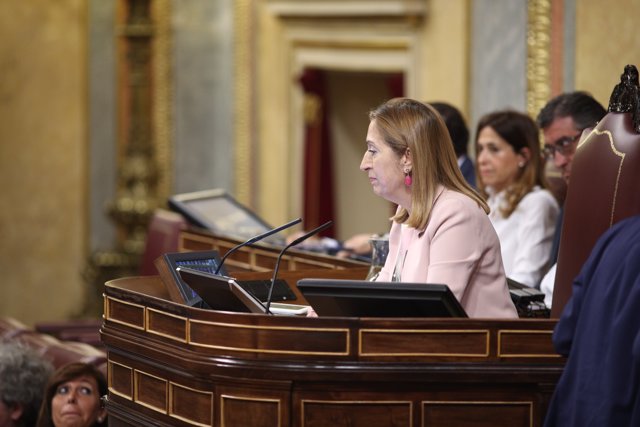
point(238, 369)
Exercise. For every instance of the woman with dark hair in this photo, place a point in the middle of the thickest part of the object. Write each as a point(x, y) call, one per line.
point(511, 177)
point(440, 232)
point(73, 398)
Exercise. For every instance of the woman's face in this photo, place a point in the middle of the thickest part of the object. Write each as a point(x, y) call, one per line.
point(384, 168)
point(76, 403)
point(497, 162)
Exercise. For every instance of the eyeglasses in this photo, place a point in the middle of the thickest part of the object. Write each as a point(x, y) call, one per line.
point(564, 146)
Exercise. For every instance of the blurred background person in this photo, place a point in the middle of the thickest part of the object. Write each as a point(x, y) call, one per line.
point(511, 177)
point(23, 375)
point(441, 232)
point(563, 120)
point(72, 398)
point(459, 133)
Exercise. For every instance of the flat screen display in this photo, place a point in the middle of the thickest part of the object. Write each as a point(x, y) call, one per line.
point(217, 211)
point(361, 298)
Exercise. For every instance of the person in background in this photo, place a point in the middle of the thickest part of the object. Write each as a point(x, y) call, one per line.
point(72, 397)
point(23, 375)
point(459, 132)
point(511, 178)
point(441, 232)
point(562, 120)
point(599, 332)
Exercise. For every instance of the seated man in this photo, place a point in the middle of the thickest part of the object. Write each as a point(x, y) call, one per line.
point(599, 330)
point(562, 121)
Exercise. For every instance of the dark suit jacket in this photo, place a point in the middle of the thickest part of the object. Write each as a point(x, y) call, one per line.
point(599, 330)
point(468, 170)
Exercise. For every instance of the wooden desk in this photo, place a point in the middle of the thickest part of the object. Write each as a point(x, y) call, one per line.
point(261, 257)
point(173, 365)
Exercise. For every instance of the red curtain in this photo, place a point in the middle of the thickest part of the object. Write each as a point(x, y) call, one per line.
point(318, 164)
point(319, 204)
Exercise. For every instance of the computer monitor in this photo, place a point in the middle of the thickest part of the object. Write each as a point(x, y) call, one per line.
point(226, 294)
point(167, 265)
point(220, 292)
point(217, 211)
point(361, 298)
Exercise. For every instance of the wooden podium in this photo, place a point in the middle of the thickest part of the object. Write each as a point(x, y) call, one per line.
point(174, 365)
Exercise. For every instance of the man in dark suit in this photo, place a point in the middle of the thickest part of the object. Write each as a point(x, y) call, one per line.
point(562, 120)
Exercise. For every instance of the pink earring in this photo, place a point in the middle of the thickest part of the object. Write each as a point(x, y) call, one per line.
point(407, 178)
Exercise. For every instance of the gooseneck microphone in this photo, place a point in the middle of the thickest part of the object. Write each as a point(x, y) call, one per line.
point(257, 238)
point(295, 242)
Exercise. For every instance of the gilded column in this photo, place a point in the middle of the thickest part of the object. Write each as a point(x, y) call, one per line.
point(538, 55)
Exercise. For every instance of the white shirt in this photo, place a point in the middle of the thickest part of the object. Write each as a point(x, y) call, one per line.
point(526, 235)
point(546, 285)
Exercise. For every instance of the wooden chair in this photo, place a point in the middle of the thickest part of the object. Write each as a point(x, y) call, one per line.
point(604, 189)
point(162, 237)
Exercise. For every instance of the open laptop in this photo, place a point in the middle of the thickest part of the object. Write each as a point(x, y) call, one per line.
point(225, 294)
point(361, 298)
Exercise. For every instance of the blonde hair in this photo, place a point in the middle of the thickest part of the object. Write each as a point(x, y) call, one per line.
point(519, 131)
point(407, 124)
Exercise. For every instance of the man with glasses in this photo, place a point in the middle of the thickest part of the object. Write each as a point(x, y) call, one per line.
point(562, 120)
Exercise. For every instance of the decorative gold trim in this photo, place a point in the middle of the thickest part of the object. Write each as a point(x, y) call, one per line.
point(136, 391)
point(281, 328)
point(615, 152)
point(424, 331)
point(122, 322)
point(117, 393)
point(162, 101)
point(178, 417)
point(164, 313)
point(519, 331)
point(250, 399)
point(479, 402)
point(357, 402)
point(110, 379)
point(243, 61)
point(538, 55)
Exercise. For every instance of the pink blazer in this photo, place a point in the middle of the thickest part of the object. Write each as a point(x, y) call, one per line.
point(459, 248)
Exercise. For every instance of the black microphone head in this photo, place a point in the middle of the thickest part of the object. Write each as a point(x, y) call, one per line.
point(257, 238)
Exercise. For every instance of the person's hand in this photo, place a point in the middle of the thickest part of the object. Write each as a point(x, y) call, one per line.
point(358, 244)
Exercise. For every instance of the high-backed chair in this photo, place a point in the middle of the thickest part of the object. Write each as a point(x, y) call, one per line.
point(162, 236)
point(604, 186)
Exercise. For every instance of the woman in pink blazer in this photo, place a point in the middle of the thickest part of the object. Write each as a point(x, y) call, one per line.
point(441, 232)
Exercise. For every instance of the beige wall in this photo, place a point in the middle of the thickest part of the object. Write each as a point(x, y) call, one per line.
point(42, 158)
point(607, 39)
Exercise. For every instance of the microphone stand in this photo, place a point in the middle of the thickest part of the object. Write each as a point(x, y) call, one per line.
point(277, 266)
point(257, 238)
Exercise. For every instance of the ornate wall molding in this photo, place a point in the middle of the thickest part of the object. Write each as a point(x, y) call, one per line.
point(347, 9)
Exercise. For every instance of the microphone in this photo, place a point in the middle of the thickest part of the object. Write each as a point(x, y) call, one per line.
point(257, 238)
point(295, 242)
